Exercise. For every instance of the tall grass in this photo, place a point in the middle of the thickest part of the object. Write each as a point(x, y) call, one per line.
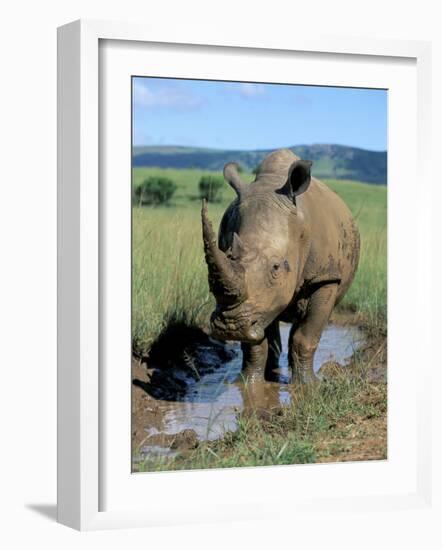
point(169, 279)
point(368, 292)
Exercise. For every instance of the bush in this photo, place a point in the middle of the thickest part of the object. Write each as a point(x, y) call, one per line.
point(155, 190)
point(210, 188)
point(136, 194)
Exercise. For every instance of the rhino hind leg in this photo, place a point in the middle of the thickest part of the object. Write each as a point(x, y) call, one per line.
point(305, 335)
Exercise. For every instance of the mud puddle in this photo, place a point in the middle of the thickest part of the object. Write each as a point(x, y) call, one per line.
point(201, 400)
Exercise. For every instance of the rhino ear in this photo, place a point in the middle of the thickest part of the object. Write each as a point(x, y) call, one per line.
point(232, 176)
point(298, 179)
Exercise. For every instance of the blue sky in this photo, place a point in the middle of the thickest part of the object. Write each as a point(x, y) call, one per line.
point(235, 115)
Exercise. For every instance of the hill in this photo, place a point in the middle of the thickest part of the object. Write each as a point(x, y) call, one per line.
point(330, 161)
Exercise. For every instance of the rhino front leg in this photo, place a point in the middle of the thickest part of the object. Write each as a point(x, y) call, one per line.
point(254, 361)
point(260, 361)
point(305, 336)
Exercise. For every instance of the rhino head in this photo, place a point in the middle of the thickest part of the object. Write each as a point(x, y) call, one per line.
point(254, 265)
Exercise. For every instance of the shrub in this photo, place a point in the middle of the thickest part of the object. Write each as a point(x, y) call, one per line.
point(155, 190)
point(136, 194)
point(210, 188)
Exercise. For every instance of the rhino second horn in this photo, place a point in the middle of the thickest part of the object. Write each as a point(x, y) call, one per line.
point(226, 280)
point(238, 247)
point(232, 176)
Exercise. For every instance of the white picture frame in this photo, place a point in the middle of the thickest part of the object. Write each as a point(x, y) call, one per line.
point(81, 413)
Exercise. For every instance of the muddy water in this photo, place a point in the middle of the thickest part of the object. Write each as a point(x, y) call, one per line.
point(209, 402)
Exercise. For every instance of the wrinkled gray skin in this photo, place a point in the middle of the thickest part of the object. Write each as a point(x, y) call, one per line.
point(287, 250)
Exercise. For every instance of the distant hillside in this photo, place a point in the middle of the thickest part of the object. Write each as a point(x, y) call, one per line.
point(330, 161)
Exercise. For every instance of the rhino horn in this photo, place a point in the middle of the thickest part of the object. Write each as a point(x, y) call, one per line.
point(226, 277)
point(232, 176)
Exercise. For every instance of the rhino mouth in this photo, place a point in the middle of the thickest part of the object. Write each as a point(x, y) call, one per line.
point(240, 328)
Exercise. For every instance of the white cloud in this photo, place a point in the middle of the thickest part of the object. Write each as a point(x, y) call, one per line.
point(165, 96)
point(247, 89)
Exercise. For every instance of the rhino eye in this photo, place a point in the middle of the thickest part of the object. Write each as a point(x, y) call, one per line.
point(276, 270)
point(278, 267)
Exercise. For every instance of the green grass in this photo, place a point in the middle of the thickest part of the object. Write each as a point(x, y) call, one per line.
point(368, 293)
point(170, 276)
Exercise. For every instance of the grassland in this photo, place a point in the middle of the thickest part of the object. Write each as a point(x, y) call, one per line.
point(334, 420)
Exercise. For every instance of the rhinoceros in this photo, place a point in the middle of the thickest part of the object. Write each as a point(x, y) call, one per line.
point(287, 250)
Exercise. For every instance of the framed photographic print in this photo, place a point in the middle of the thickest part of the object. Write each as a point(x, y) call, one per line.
point(233, 236)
